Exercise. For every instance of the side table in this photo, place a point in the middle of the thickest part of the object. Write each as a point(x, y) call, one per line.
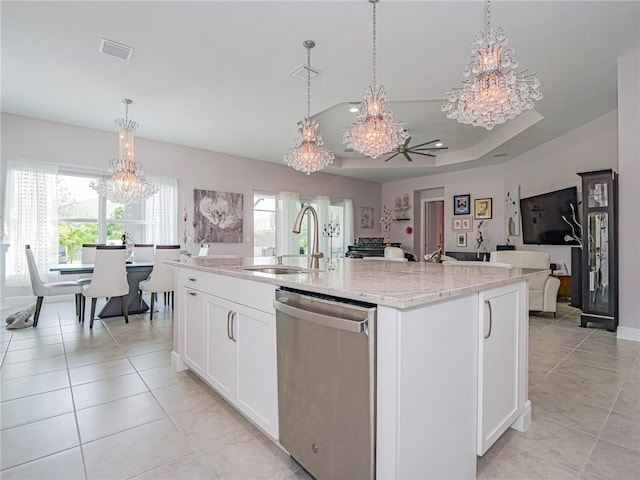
point(565, 285)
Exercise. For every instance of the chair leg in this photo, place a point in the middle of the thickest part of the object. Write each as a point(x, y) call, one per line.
point(93, 311)
point(172, 299)
point(78, 305)
point(125, 308)
point(36, 315)
point(165, 297)
point(153, 296)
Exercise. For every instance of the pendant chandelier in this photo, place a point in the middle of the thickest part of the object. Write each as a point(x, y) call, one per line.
point(374, 131)
point(126, 183)
point(495, 92)
point(308, 155)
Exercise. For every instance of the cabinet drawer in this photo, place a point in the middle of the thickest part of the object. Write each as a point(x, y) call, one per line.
point(244, 292)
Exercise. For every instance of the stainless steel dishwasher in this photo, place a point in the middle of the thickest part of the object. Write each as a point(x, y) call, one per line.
point(326, 383)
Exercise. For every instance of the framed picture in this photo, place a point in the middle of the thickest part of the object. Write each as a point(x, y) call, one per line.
point(217, 216)
point(461, 240)
point(366, 217)
point(456, 224)
point(462, 204)
point(482, 210)
point(466, 224)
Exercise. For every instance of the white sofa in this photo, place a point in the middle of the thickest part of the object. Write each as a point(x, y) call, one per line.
point(543, 292)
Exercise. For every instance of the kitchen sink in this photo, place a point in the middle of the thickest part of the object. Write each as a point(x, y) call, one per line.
point(275, 269)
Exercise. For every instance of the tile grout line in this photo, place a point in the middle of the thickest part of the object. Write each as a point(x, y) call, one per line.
point(73, 402)
point(168, 417)
point(567, 355)
point(604, 424)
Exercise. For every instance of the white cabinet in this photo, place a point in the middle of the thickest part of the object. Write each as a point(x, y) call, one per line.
point(231, 342)
point(257, 379)
point(221, 368)
point(241, 359)
point(192, 311)
point(502, 361)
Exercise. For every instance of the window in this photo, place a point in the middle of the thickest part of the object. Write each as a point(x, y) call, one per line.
point(282, 210)
point(264, 225)
point(336, 212)
point(330, 246)
point(55, 211)
point(85, 217)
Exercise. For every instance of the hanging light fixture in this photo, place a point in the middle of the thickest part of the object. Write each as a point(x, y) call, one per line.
point(308, 155)
point(374, 131)
point(126, 183)
point(495, 92)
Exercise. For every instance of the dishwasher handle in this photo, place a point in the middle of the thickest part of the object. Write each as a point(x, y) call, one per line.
point(324, 320)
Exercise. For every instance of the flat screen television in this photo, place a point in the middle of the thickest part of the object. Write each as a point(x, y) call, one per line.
point(542, 222)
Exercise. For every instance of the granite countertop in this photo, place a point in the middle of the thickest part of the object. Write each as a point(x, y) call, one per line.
point(393, 284)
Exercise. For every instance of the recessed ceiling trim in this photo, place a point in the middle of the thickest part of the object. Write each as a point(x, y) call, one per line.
point(115, 49)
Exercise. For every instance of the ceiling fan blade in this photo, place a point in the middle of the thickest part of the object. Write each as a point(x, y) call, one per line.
point(429, 148)
point(423, 153)
point(406, 155)
point(394, 155)
point(406, 143)
point(426, 143)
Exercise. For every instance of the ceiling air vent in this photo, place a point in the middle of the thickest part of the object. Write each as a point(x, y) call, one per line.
point(301, 73)
point(115, 49)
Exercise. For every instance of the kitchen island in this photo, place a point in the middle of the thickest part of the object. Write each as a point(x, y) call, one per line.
point(450, 361)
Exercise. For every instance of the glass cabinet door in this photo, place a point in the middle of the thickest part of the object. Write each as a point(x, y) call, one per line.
point(598, 260)
point(597, 193)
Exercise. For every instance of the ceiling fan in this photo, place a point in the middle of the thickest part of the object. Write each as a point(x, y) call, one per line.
point(420, 149)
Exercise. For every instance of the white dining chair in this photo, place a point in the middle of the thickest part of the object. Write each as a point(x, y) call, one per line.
point(47, 289)
point(143, 252)
point(162, 276)
point(109, 279)
point(87, 257)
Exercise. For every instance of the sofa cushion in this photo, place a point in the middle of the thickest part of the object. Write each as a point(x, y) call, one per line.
point(524, 259)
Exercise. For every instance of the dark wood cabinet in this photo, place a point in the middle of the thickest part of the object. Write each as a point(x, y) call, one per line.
point(600, 248)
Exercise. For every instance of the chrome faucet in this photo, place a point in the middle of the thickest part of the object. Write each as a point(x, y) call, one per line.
point(314, 261)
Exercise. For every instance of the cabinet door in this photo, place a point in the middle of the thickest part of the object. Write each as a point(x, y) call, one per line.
point(501, 362)
point(193, 308)
point(257, 388)
point(221, 347)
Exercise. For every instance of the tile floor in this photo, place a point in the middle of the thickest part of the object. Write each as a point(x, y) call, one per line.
point(105, 404)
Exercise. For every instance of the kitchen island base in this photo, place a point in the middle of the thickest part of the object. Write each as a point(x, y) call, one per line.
point(451, 374)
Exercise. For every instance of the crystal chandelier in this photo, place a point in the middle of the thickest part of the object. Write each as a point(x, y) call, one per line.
point(495, 92)
point(126, 183)
point(374, 131)
point(308, 155)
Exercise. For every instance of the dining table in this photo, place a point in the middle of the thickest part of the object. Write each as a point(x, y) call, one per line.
point(136, 272)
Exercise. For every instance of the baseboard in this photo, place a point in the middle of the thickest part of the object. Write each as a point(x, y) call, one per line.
point(524, 419)
point(177, 363)
point(628, 333)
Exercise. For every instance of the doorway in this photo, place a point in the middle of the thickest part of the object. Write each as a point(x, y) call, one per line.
point(433, 226)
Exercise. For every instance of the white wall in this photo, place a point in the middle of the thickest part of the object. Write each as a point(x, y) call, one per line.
point(554, 165)
point(484, 182)
point(29, 138)
point(549, 167)
point(629, 191)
